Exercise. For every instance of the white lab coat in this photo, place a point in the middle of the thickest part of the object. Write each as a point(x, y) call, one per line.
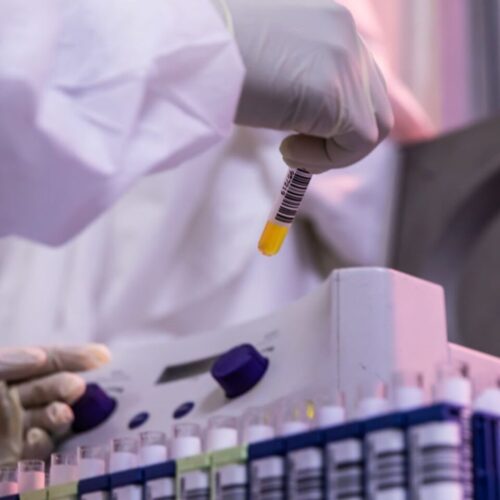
point(95, 94)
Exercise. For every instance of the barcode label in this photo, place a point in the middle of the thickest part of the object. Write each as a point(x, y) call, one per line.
point(291, 196)
point(345, 470)
point(438, 460)
point(305, 475)
point(232, 492)
point(267, 479)
point(386, 464)
point(198, 494)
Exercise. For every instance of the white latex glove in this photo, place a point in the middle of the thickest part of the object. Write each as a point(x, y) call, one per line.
point(309, 71)
point(39, 395)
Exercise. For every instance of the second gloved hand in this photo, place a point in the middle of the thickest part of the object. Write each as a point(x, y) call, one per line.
point(39, 393)
point(309, 71)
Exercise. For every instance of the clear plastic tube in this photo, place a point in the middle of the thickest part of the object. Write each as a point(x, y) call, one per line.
point(257, 425)
point(222, 432)
point(123, 454)
point(8, 480)
point(453, 384)
point(91, 461)
point(330, 408)
point(292, 417)
point(186, 441)
point(30, 475)
point(63, 468)
point(153, 447)
point(372, 399)
point(284, 211)
point(407, 391)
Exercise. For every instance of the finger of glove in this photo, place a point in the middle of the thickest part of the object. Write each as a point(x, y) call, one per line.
point(23, 363)
point(64, 386)
point(384, 114)
point(37, 445)
point(316, 155)
point(55, 418)
point(11, 429)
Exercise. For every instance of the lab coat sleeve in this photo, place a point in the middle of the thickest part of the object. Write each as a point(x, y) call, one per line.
point(95, 94)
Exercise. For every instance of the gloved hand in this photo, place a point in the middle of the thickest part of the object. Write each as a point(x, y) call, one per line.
point(309, 71)
point(37, 389)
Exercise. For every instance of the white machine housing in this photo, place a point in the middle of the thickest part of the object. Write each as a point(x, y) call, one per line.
point(361, 324)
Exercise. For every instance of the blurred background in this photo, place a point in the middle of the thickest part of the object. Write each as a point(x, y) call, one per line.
point(447, 52)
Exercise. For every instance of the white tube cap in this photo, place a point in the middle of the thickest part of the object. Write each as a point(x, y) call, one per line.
point(330, 415)
point(488, 401)
point(371, 407)
point(185, 446)
point(258, 432)
point(454, 390)
point(220, 438)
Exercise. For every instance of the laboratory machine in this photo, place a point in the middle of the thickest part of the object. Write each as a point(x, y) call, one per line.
point(351, 393)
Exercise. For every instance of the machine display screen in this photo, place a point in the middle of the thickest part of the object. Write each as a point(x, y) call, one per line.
point(173, 373)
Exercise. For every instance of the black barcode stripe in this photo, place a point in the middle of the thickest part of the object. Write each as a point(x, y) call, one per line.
point(293, 193)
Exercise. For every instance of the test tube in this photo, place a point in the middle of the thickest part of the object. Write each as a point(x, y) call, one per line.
point(91, 461)
point(30, 475)
point(267, 474)
point(284, 211)
point(305, 466)
point(186, 441)
point(8, 480)
point(257, 426)
point(372, 399)
point(407, 391)
point(330, 408)
point(222, 433)
point(453, 385)
point(488, 399)
point(153, 447)
point(63, 468)
point(231, 480)
point(123, 454)
point(292, 416)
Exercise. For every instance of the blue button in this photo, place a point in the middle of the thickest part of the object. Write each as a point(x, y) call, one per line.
point(183, 409)
point(92, 409)
point(138, 420)
point(239, 370)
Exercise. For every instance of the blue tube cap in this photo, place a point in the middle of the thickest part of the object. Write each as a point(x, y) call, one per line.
point(239, 370)
point(92, 409)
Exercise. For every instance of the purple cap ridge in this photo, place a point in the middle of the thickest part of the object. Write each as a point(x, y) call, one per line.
point(93, 408)
point(239, 370)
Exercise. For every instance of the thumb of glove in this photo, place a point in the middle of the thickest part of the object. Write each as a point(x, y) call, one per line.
point(11, 427)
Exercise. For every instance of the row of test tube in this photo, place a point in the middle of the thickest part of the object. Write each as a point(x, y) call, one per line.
point(286, 417)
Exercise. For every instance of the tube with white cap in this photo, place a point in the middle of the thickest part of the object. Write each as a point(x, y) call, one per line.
point(440, 452)
point(91, 461)
point(153, 450)
point(124, 455)
point(488, 398)
point(306, 475)
point(187, 442)
point(30, 475)
point(372, 399)
point(267, 475)
point(344, 458)
point(231, 480)
point(8, 480)
point(386, 464)
point(329, 408)
point(63, 468)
